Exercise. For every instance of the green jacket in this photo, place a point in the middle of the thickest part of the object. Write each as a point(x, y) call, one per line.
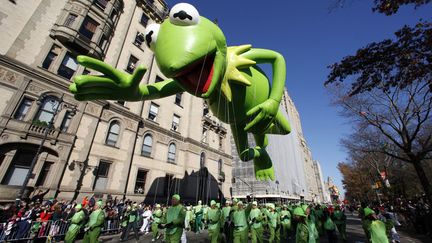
point(226, 212)
point(76, 221)
point(157, 216)
point(339, 217)
point(273, 218)
point(97, 219)
point(175, 215)
point(213, 218)
point(302, 233)
point(377, 230)
point(255, 218)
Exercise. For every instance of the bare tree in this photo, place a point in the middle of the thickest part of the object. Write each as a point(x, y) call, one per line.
point(395, 121)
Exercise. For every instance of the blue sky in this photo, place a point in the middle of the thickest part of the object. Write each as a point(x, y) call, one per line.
point(310, 37)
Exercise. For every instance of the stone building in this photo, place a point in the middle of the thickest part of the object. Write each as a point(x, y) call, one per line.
point(142, 150)
point(297, 175)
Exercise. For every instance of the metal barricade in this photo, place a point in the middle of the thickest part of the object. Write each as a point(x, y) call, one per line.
point(28, 231)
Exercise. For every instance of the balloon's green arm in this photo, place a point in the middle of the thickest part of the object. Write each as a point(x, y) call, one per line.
point(158, 90)
point(279, 69)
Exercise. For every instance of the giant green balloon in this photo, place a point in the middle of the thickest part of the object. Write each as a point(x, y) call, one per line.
point(191, 51)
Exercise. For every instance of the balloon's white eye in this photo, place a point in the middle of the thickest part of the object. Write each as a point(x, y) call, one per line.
point(150, 35)
point(184, 14)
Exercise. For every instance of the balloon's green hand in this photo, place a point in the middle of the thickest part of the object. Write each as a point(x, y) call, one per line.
point(264, 115)
point(113, 84)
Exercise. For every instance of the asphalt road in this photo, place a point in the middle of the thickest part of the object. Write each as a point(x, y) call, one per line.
point(355, 234)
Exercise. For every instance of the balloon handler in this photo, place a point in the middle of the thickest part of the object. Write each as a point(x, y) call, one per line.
point(95, 224)
point(173, 221)
point(192, 52)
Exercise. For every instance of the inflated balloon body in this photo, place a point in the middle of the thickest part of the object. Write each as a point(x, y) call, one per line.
point(192, 52)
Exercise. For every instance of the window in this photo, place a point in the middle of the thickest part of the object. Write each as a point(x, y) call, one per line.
point(103, 42)
point(144, 19)
point(220, 166)
point(88, 28)
point(121, 102)
point(158, 79)
point(204, 135)
point(114, 15)
point(139, 39)
point(19, 168)
point(220, 142)
point(140, 181)
point(47, 109)
point(101, 3)
point(202, 160)
point(113, 133)
point(23, 109)
point(52, 55)
point(2, 156)
point(102, 175)
point(147, 145)
point(70, 20)
point(178, 98)
point(175, 122)
point(66, 121)
point(205, 111)
point(131, 64)
point(153, 111)
point(44, 173)
point(171, 153)
point(169, 179)
point(68, 66)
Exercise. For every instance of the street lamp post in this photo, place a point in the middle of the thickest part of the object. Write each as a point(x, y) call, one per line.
point(39, 150)
point(277, 186)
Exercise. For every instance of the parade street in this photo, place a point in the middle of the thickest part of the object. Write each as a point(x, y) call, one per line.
point(354, 231)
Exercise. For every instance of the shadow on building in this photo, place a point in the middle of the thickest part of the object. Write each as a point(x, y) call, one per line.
point(199, 185)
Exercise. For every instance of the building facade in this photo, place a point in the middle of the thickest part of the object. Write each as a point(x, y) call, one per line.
point(297, 175)
point(144, 150)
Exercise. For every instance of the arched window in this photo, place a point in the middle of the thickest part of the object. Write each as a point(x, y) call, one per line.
point(171, 152)
point(47, 109)
point(147, 145)
point(113, 133)
point(220, 166)
point(202, 160)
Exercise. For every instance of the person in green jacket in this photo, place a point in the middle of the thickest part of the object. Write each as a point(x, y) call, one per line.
point(311, 223)
point(285, 218)
point(76, 222)
point(364, 220)
point(156, 220)
point(198, 211)
point(239, 219)
point(95, 224)
point(213, 218)
point(255, 218)
point(319, 219)
point(340, 221)
point(226, 210)
point(376, 228)
point(132, 223)
point(174, 221)
point(273, 223)
point(302, 232)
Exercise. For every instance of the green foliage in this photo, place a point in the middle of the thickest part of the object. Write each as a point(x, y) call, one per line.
point(390, 7)
point(40, 123)
point(388, 63)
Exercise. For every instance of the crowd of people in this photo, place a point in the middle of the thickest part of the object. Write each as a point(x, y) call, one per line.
point(379, 217)
point(235, 221)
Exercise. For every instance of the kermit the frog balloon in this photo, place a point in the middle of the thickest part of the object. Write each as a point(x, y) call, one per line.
point(192, 52)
